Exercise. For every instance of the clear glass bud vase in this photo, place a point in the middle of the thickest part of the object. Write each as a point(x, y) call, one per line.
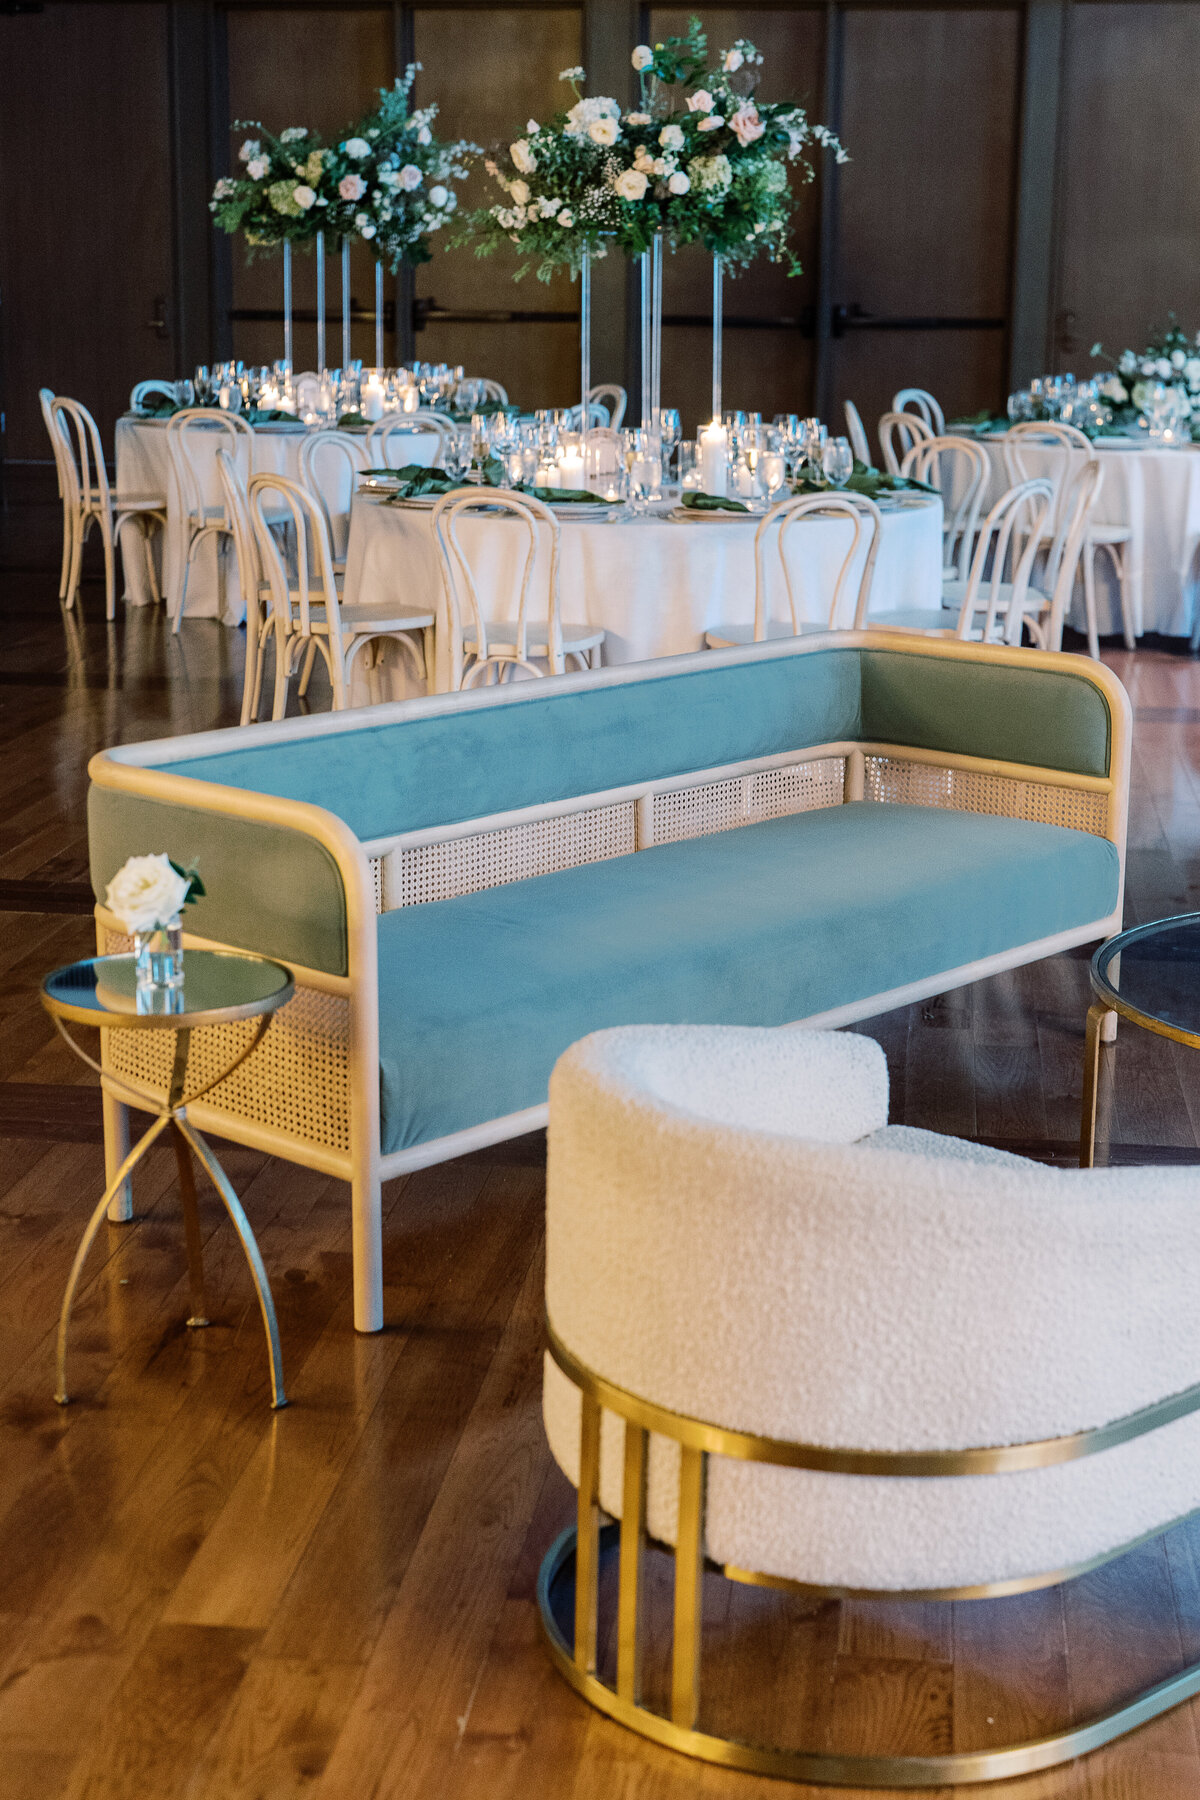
point(159, 957)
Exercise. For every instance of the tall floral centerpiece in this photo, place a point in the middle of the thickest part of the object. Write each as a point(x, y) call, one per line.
point(280, 197)
point(1170, 362)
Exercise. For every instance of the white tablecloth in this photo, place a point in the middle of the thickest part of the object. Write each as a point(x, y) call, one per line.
point(1157, 494)
point(655, 584)
point(144, 467)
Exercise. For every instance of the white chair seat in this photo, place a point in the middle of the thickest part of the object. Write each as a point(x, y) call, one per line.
point(502, 639)
point(147, 503)
point(364, 619)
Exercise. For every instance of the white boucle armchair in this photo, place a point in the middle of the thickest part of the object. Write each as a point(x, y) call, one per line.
point(807, 1347)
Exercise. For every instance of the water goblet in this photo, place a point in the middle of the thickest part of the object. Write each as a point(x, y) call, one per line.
point(837, 461)
point(670, 431)
point(689, 465)
point(202, 385)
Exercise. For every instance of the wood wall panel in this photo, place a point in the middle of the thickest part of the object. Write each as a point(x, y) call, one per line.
point(491, 69)
point(1129, 217)
point(321, 67)
point(85, 247)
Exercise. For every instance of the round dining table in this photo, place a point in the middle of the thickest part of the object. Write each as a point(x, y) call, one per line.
point(654, 582)
point(144, 467)
point(1153, 489)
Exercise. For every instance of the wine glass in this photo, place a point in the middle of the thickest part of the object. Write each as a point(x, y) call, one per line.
point(670, 431)
point(837, 461)
point(202, 385)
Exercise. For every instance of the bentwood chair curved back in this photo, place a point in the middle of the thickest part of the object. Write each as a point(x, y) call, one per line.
point(1067, 449)
point(142, 388)
point(308, 615)
point(492, 390)
point(483, 648)
point(771, 554)
point(385, 439)
point(255, 590)
point(959, 469)
point(330, 464)
point(87, 500)
point(597, 416)
point(857, 433)
point(194, 435)
point(612, 396)
point(908, 429)
point(921, 402)
point(754, 1360)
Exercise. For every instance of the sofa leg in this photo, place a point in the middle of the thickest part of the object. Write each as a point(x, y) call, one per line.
point(116, 1149)
point(366, 1211)
point(1108, 1028)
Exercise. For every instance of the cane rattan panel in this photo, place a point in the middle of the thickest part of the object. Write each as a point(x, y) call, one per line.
point(889, 778)
point(494, 858)
point(770, 794)
point(297, 1081)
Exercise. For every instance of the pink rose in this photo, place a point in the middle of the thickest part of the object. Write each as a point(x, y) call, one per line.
point(746, 124)
point(352, 187)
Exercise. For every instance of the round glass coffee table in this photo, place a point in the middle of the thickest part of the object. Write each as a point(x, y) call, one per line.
point(219, 988)
point(1150, 976)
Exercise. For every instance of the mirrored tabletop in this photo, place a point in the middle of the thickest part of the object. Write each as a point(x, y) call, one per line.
point(1152, 975)
point(218, 987)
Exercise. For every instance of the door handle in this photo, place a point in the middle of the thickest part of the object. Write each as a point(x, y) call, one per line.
point(157, 322)
point(854, 318)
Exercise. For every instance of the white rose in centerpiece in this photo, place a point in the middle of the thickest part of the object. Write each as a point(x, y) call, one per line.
point(410, 177)
point(643, 162)
point(642, 57)
point(250, 148)
point(584, 114)
point(566, 218)
point(679, 183)
point(671, 137)
point(304, 196)
point(631, 184)
point(293, 134)
point(733, 61)
point(257, 168)
point(637, 118)
point(352, 187)
point(1114, 389)
point(1178, 358)
point(1150, 369)
point(1191, 369)
point(604, 132)
point(146, 893)
point(523, 157)
point(1128, 363)
point(439, 195)
point(548, 205)
point(356, 148)
point(1163, 367)
point(701, 101)
point(532, 128)
point(518, 189)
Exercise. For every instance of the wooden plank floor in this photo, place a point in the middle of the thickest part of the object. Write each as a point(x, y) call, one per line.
point(200, 1600)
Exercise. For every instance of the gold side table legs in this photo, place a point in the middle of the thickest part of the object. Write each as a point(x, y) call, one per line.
point(1097, 1014)
point(187, 1143)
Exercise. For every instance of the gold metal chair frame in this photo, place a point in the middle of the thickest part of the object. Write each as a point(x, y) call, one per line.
point(584, 1543)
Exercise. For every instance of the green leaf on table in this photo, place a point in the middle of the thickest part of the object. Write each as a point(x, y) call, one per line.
point(413, 480)
point(351, 421)
point(561, 496)
point(868, 482)
point(695, 501)
point(269, 415)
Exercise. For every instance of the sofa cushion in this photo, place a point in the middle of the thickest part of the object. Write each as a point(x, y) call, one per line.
point(479, 995)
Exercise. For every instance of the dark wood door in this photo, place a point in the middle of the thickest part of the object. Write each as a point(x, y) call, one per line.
point(85, 235)
point(924, 217)
point(1129, 217)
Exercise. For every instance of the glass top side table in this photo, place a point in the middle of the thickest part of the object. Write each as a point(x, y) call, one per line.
point(1150, 975)
point(219, 988)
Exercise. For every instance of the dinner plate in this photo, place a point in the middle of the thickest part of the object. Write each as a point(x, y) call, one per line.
point(584, 510)
point(697, 516)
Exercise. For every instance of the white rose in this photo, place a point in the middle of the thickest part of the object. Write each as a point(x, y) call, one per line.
point(1178, 358)
point(257, 167)
point(1128, 363)
point(367, 231)
point(356, 148)
point(523, 157)
point(410, 177)
point(1162, 367)
point(249, 148)
point(642, 57)
point(1191, 369)
point(1150, 368)
point(548, 205)
point(637, 118)
point(439, 195)
point(679, 183)
point(424, 136)
point(518, 189)
point(304, 196)
point(733, 61)
point(631, 184)
point(532, 128)
point(643, 162)
point(604, 131)
point(566, 218)
point(450, 202)
point(700, 101)
point(711, 122)
point(293, 134)
point(145, 893)
point(671, 137)
point(663, 165)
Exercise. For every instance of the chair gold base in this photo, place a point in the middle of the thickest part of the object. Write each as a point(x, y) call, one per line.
point(828, 1768)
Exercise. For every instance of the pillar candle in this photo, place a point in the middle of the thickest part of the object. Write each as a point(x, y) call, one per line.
point(371, 405)
point(570, 469)
point(714, 459)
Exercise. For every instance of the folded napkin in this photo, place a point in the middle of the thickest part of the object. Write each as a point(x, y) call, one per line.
point(413, 480)
point(695, 501)
point(268, 415)
point(561, 496)
point(488, 410)
point(351, 421)
point(868, 482)
point(156, 406)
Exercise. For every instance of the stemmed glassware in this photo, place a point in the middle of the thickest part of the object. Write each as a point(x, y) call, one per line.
point(670, 431)
point(837, 461)
point(202, 386)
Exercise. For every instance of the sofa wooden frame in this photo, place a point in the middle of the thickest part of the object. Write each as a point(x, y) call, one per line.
point(366, 868)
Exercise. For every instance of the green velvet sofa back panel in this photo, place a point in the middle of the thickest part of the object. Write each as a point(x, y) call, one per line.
point(269, 888)
point(470, 763)
point(467, 764)
point(1053, 720)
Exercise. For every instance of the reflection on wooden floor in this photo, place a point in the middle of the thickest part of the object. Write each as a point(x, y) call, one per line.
point(199, 1598)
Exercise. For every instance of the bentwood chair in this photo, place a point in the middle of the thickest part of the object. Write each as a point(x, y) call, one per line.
point(921, 402)
point(490, 390)
point(771, 544)
point(260, 624)
point(996, 597)
point(857, 434)
point(483, 649)
point(330, 463)
point(386, 436)
point(907, 429)
point(959, 469)
point(612, 396)
point(194, 436)
point(307, 611)
point(87, 499)
point(1066, 445)
point(597, 415)
point(142, 388)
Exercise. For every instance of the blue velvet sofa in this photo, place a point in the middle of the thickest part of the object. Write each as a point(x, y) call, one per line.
point(809, 831)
